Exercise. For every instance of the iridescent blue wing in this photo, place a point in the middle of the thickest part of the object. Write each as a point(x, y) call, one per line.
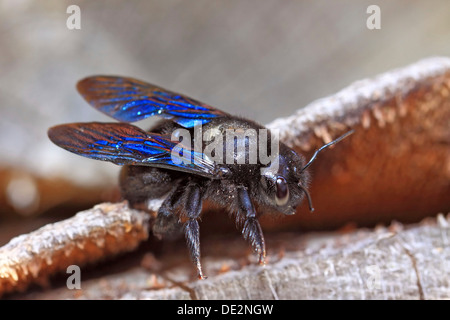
point(129, 100)
point(122, 143)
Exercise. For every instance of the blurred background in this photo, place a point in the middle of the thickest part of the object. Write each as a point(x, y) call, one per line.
point(260, 59)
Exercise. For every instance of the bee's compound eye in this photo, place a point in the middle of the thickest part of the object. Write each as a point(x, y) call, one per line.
point(282, 192)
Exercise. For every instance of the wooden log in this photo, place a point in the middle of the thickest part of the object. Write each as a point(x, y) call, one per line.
point(398, 262)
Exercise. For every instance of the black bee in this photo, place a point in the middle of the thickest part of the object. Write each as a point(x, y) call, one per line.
point(193, 154)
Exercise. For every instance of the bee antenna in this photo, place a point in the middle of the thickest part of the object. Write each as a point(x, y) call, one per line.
point(325, 146)
point(308, 196)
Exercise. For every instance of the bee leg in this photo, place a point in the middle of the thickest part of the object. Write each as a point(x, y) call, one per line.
point(192, 233)
point(247, 222)
point(193, 206)
point(167, 223)
point(183, 203)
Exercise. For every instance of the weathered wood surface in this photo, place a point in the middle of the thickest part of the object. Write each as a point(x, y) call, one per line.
point(102, 231)
point(396, 262)
point(397, 163)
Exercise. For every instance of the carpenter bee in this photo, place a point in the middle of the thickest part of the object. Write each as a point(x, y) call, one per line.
point(195, 153)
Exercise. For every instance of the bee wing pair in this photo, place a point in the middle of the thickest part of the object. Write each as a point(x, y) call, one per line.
point(130, 100)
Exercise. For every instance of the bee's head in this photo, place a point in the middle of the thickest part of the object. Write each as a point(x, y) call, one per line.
point(285, 180)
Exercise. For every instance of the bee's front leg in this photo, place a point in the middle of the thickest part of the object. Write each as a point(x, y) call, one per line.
point(192, 199)
point(247, 222)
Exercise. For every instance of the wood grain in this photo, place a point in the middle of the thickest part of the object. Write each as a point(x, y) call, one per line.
point(396, 262)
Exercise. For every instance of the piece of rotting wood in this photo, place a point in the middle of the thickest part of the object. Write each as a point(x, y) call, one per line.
point(396, 262)
point(89, 236)
point(396, 165)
